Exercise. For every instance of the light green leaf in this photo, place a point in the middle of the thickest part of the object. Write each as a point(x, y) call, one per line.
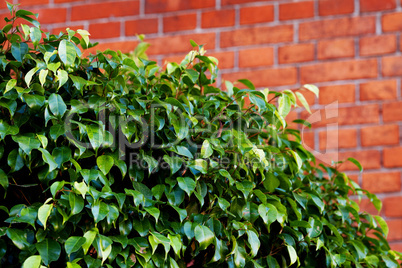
point(204, 236)
point(35, 35)
point(292, 254)
point(268, 213)
point(186, 184)
point(315, 229)
point(62, 76)
point(206, 149)
point(67, 52)
point(105, 163)
point(48, 158)
point(84, 34)
point(10, 85)
point(357, 163)
point(99, 210)
point(44, 213)
point(27, 143)
point(29, 75)
point(81, 187)
point(73, 244)
point(95, 135)
point(284, 105)
point(42, 76)
point(57, 105)
point(303, 101)
point(154, 212)
point(32, 262)
point(89, 238)
point(312, 88)
point(3, 179)
point(254, 242)
point(297, 158)
point(76, 203)
point(383, 224)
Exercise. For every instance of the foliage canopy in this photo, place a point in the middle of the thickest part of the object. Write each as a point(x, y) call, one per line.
point(109, 160)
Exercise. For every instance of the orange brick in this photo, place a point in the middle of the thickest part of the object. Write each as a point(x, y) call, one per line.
point(256, 57)
point(376, 5)
point(104, 30)
point(105, 10)
point(123, 46)
point(257, 35)
point(392, 66)
point(162, 6)
point(392, 22)
point(378, 90)
point(63, 1)
point(339, 70)
point(380, 135)
point(141, 26)
point(226, 59)
point(180, 22)
point(218, 18)
point(392, 111)
point(51, 15)
point(366, 206)
point(298, 10)
point(179, 43)
point(335, 7)
point(396, 246)
point(31, 2)
point(308, 139)
point(296, 53)
point(335, 48)
point(382, 182)
point(339, 93)
point(393, 157)
point(266, 77)
point(392, 206)
point(377, 45)
point(257, 14)
point(233, 2)
point(336, 27)
point(395, 229)
point(370, 159)
point(336, 139)
point(63, 29)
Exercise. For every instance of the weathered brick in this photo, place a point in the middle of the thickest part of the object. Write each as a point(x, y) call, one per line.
point(180, 22)
point(392, 66)
point(395, 229)
point(392, 22)
point(336, 139)
point(392, 111)
point(378, 90)
point(392, 157)
point(376, 5)
point(141, 26)
point(296, 53)
point(382, 182)
point(256, 14)
point(380, 135)
point(335, 48)
point(257, 35)
point(104, 30)
point(335, 7)
point(161, 6)
point(256, 57)
point(390, 207)
point(339, 70)
point(266, 77)
point(218, 18)
point(354, 26)
point(105, 10)
point(298, 10)
point(339, 93)
point(377, 45)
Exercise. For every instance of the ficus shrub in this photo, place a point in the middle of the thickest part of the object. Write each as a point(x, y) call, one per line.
point(109, 160)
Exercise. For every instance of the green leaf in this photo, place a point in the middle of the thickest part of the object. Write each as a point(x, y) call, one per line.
point(268, 213)
point(292, 254)
point(44, 213)
point(99, 210)
point(247, 83)
point(27, 142)
point(67, 52)
point(297, 158)
point(57, 105)
point(42, 76)
point(303, 101)
point(312, 88)
point(62, 76)
point(76, 203)
point(10, 85)
point(154, 212)
point(81, 187)
point(19, 50)
point(35, 35)
point(204, 236)
point(284, 105)
point(95, 135)
point(61, 155)
point(315, 229)
point(29, 75)
point(84, 34)
point(361, 249)
point(383, 224)
point(186, 184)
point(15, 161)
point(32, 262)
point(34, 101)
point(73, 244)
point(354, 161)
point(48, 158)
point(105, 163)
point(3, 179)
point(49, 250)
point(89, 238)
point(271, 182)
point(254, 242)
point(206, 149)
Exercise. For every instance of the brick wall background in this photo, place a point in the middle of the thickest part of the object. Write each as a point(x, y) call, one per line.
point(351, 49)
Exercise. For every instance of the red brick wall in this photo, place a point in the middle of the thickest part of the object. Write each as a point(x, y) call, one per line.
point(351, 49)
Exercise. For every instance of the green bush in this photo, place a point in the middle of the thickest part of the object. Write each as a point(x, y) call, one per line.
point(108, 160)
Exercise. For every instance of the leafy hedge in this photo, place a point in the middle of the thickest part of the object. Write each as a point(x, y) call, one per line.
point(110, 161)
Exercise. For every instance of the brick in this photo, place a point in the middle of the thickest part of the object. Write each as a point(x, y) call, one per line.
point(292, 115)
point(370, 159)
point(104, 30)
point(377, 45)
point(298, 10)
point(392, 157)
point(114, 9)
point(395, 229)
point(382, 182)
point(376, 5)
point(218, 18)
point(266, 77)
point(63, 1)
point(391, 206)
point(392, 66)
point(123, 46)
point(339, 70)
point(392, 22)
point(32, 2)
point(51, 15)
point(257, 35)
point(336, 27)
point(335, 7)
point(335, 48)
point(180, 22)
point(257, 14)
point(57, 30)
point(162, 6)
point(392, 111)
point(256, 57)
point(378, 90)
point(179, 43)
point(141, 26)
point(226, 59)
point(380, 135)
point(366, 206)
point(308, 95)
point(296, 53)
point(308, 139)
point(233, 2)
point(396, 246)
point(336, 139)
point(339, 93)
